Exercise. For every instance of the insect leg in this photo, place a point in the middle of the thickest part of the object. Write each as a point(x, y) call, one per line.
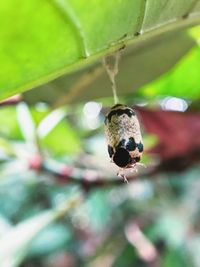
point(120, 174)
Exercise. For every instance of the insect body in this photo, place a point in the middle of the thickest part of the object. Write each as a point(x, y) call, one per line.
point(123, 135)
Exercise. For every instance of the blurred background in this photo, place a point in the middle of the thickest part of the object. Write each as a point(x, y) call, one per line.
point(51, 152)
point(61, 202)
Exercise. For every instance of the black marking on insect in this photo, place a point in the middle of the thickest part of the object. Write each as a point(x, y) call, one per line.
point(122, 157)
point(121, 143)
point(137, 159)
point(117, 105)
point(140, 147)
point(110, 151)
point(118, 111)
point(123, 135)
point(131, 145)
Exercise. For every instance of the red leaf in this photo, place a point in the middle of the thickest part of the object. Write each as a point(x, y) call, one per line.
point(178, 133)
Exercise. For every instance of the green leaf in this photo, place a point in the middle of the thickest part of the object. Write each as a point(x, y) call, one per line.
point(177, 258)
point(51, 239)
point(139, 65)
point(62, 139)
point(9, 124)
point(195, 33)
point(181, 81)
point(50, 38)
point(26, 123)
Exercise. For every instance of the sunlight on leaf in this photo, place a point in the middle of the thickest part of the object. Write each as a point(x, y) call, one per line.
point(181, 81)
point(63, 36)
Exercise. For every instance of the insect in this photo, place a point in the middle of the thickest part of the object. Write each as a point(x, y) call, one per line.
point(122, 130)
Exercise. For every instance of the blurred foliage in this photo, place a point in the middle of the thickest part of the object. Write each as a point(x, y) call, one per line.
point(152, 221)
point(8, 119)
point(68, 143)
point(176, 81)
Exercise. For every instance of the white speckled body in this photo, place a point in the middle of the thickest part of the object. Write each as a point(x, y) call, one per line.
point(121, 126)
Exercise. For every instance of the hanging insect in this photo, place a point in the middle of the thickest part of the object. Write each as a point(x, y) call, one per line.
point(122, 130)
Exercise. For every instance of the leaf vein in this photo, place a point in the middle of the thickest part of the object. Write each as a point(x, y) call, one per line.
point(68, 13)
point(142, 17)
